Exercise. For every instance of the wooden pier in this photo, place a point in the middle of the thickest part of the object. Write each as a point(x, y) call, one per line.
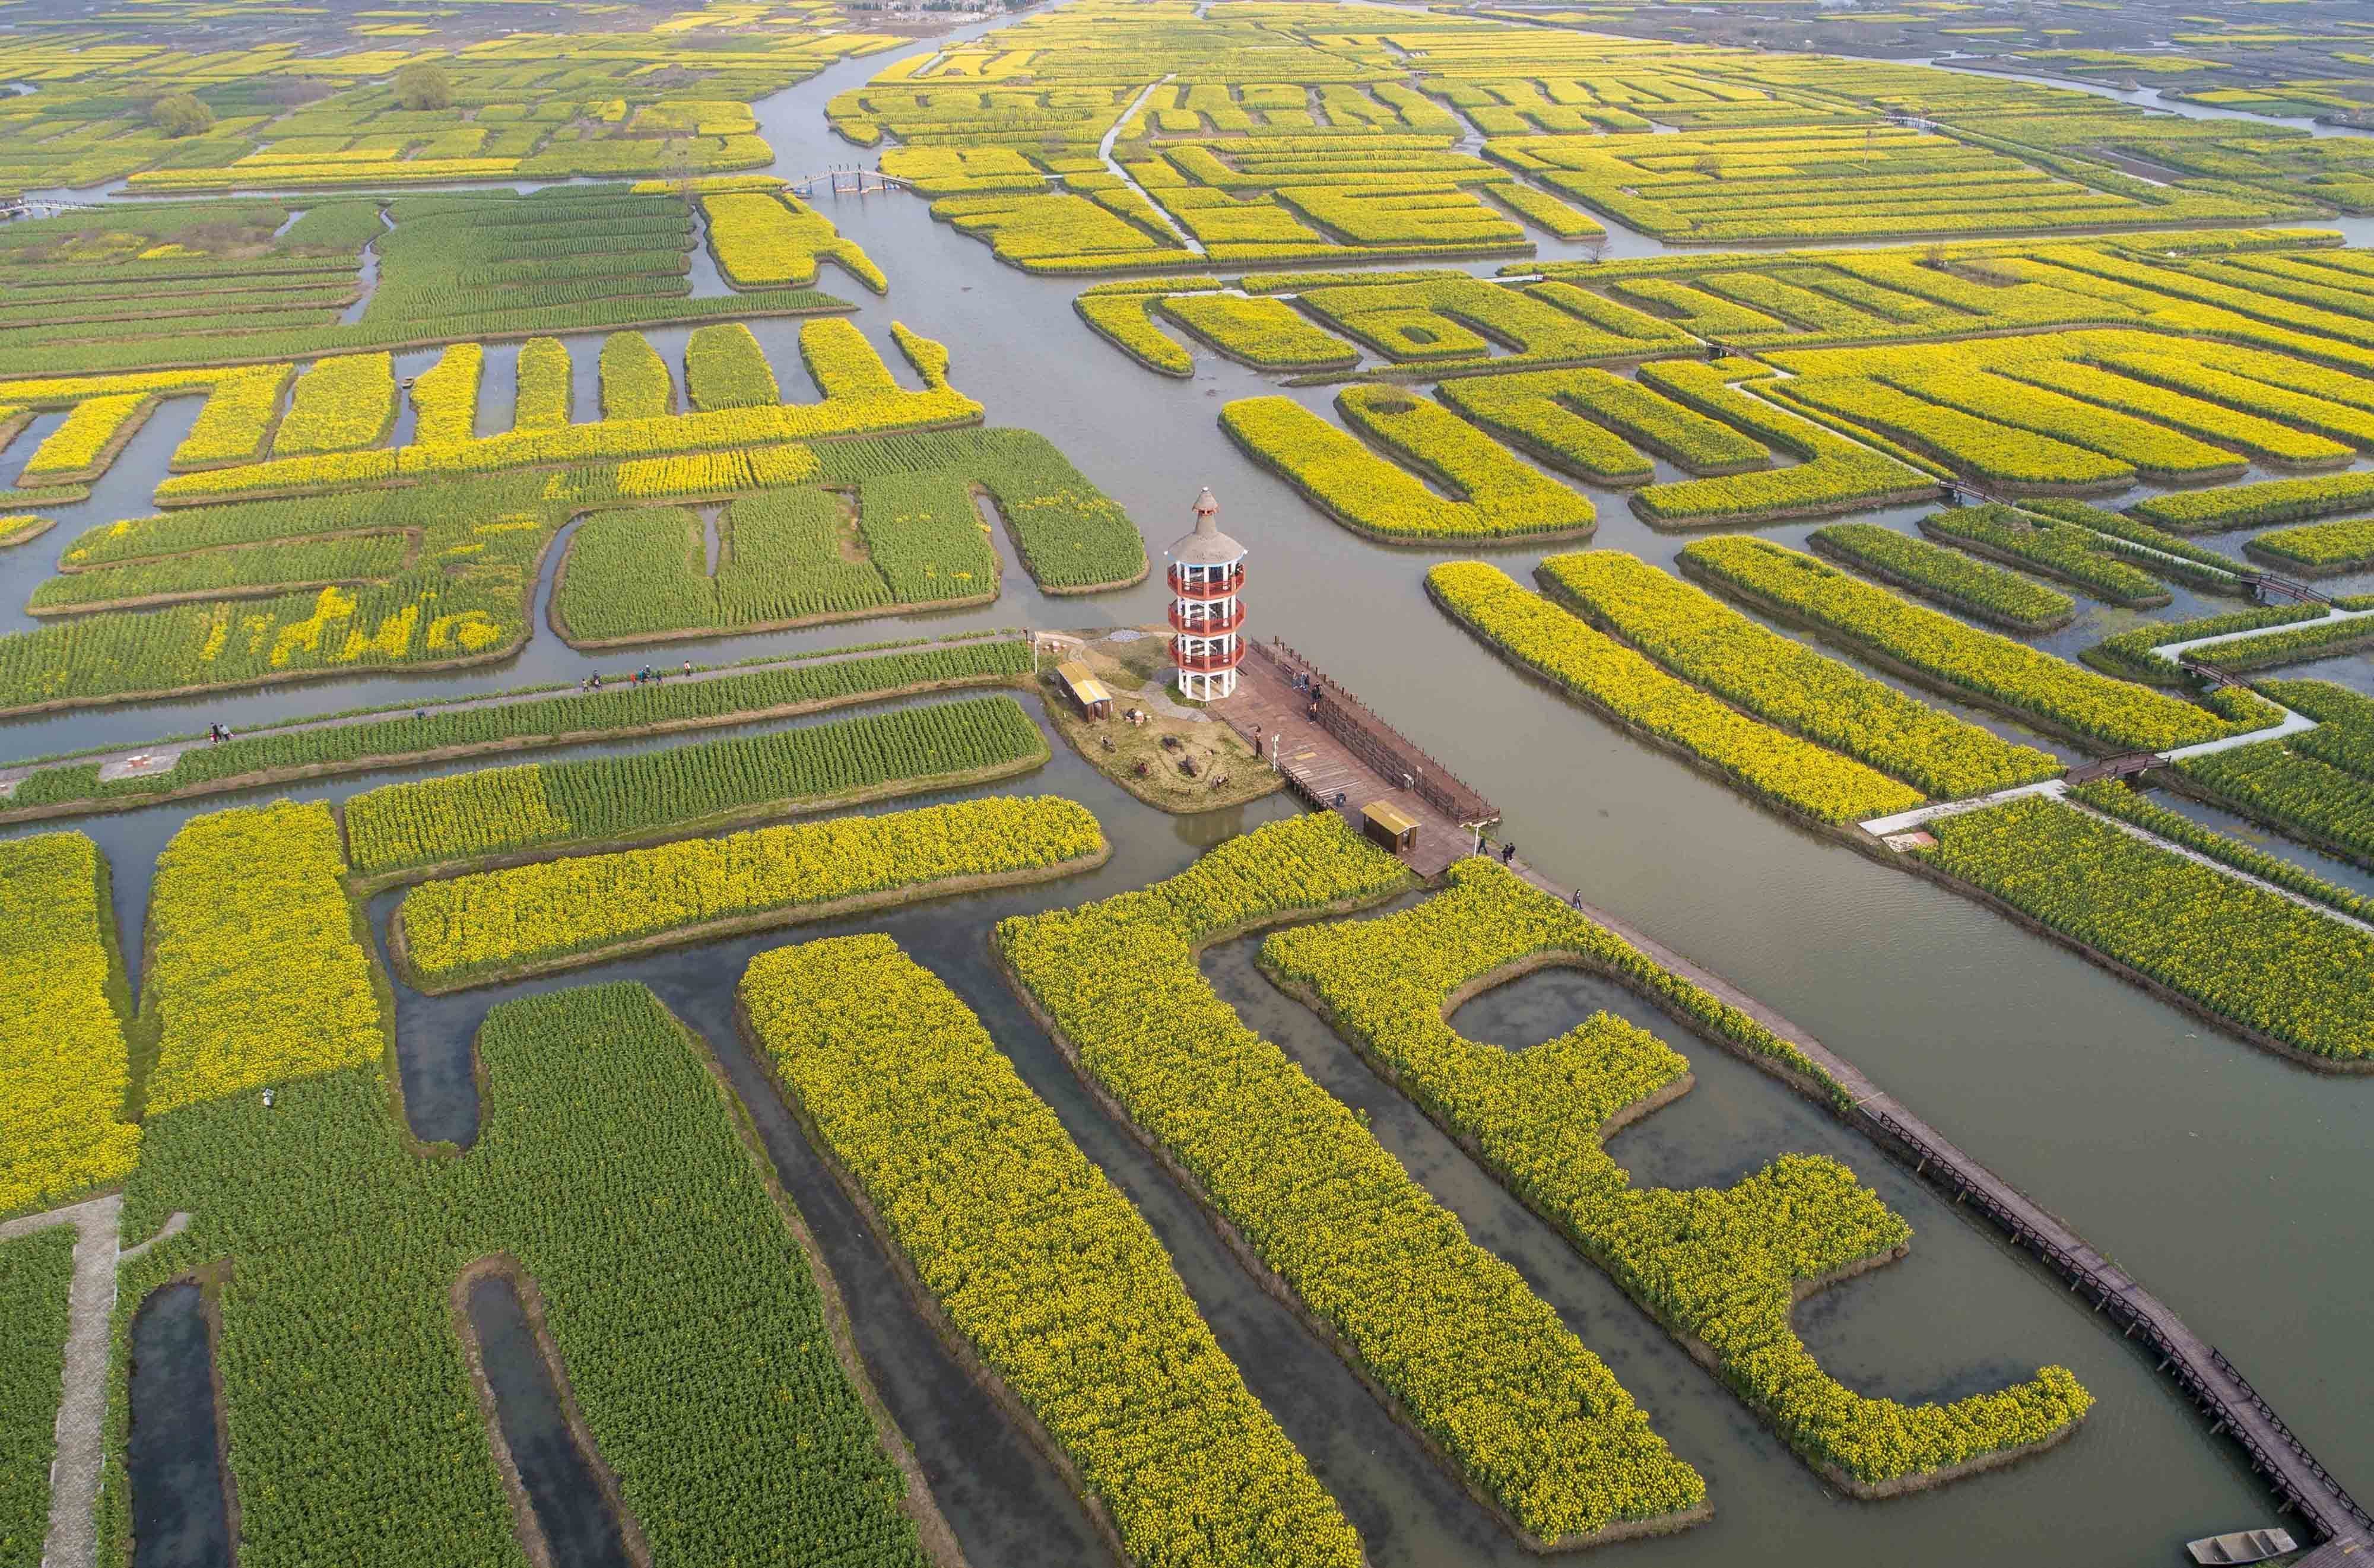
point(1343, 757)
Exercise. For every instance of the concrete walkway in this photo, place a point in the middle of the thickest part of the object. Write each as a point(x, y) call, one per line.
point(73, 1540)
point(2058, 789)
point(1905, 822)
point(1113, 168)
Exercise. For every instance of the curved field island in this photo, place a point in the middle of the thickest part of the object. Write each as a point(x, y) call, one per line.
point(1719, 1269)
point(1449, 1338)
point(505, 816)
point(507, 721)
point(1832, 474)
point(1123, 320)
point(330, 1247)
point(1504, 501)
point(555, 914)
point(427, 556)
point(1793, 775)
point(1006, 1234)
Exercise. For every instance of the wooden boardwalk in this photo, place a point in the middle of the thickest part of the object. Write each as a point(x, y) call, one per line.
point(1345, 758)
point(2198, 1368)
point(1340, 760)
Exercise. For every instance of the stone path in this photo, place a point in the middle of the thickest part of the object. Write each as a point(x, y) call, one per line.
point(73, 1540)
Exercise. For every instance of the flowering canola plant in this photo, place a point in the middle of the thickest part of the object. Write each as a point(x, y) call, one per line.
point(1719, 1265)
point(256, 974)
point(564, 912)
point(1466, 1350)
point(1037, 1259)
point(63, 1062)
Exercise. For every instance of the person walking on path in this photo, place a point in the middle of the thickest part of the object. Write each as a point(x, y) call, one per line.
point(1509, 852)
point(687, 666)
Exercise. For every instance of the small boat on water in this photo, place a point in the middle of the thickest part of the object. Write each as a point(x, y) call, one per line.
point(2242, 1546)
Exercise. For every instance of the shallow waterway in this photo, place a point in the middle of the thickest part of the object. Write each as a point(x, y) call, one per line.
point(2228, 1181)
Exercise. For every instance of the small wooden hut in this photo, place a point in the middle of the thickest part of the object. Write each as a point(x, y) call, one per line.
point(1085, 689)
point(1389, 825)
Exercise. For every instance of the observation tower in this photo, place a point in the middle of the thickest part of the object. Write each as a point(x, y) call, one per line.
point(1207, 568)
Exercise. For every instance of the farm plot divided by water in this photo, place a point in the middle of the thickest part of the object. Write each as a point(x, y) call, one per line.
point(1405, 291)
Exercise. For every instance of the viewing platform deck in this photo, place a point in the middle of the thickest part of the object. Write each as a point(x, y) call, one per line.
point(1347, 758)
point(1344, 757)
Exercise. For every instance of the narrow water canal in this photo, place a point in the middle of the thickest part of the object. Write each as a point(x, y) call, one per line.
point(180, 1513)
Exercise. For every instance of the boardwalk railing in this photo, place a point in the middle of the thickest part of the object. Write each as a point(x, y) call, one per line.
point(1377, 744)
point(2199, 1369)
point(2267, 585)
point(2124, 766)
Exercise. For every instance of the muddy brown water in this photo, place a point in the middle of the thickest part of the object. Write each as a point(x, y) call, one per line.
point(2229, 1182)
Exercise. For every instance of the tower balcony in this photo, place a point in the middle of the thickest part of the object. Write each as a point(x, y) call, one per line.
point(1197, 619)
point(1209, 583)
point(1226, 657)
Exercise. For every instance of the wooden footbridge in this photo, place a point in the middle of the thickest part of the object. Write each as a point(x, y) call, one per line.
point(2202, 669)
point(2126, 765)
point(2266, 585)
point(852, 181)
point(1339, 755)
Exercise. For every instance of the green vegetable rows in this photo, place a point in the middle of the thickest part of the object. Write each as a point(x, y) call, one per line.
point(618, 709)
point(2117, 800)
point(34, 1273)
point(2238, 951)
point(543, 805)
point(698, 1349)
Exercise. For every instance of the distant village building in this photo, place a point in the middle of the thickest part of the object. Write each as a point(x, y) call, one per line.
point(1207, 569)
